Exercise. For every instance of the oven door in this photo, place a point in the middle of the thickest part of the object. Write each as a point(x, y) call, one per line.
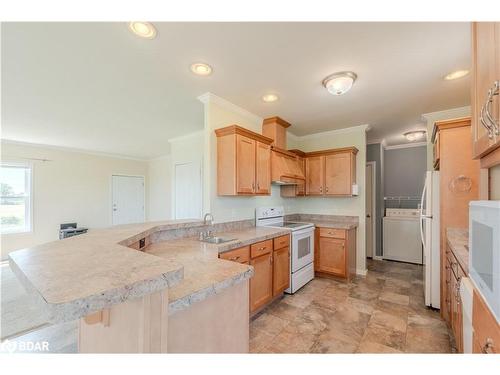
point(302, 248)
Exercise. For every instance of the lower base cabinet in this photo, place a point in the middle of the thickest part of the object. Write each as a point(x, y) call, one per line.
point(453, 303)
point(486, 336)
point(335, 252)
point(261, 284)
point(271, 262)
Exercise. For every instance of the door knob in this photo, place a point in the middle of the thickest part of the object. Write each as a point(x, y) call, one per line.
point(368, 215)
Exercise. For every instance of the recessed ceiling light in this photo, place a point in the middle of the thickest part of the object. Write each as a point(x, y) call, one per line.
point(414, 135)
point(269, 98)
point(339, 83)
point(142, 29)
point(456, 74)
point(201, 69)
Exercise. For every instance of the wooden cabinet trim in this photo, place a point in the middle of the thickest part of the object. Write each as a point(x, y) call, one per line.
point(332, 151)
point(236, 129)
point(281, 242)
point(261, 248)
point(333, 233)
point(240, 255)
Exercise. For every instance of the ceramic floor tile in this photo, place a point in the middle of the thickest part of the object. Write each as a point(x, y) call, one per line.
point(399, 299)
point(366, 346)
point(268, 323)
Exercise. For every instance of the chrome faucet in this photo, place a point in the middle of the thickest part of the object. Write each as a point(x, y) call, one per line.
point(211, 218)
point(206, 221)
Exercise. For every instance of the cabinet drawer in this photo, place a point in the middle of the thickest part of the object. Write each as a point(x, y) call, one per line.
point(486, 328)
point(281, 242)
point(333, 233)
point(240, 255)
point(261, 248)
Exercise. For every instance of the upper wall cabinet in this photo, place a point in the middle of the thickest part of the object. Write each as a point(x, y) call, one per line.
point(331, 172)
point(243, 162)
point(485, 90)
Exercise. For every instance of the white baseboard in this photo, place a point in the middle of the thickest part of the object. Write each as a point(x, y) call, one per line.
point(378, 257)
point(361, 272)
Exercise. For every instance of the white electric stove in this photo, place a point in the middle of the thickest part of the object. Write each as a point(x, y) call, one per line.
point(301, 244)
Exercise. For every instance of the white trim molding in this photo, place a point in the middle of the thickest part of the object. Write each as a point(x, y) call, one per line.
point(447, 113)
point(208, 97)
point(405, 145)
point(361, 272)
point(352, 129)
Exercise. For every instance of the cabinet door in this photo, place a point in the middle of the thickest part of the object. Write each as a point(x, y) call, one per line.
point(245, 165)
point(261, 284)
point(447, 289)
point(332, 257)
point(315, 171)
point(338, 178)
point(281, 270)
point(485, 62)
point(263, 168)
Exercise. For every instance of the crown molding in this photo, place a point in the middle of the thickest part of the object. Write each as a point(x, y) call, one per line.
point(447, 114)
point(72, 149)
point(352, 129)
point(186, 136)
point(405, 145)
point(208, 98)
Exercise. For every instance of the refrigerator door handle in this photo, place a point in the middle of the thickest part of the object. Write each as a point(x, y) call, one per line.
point(422, 215)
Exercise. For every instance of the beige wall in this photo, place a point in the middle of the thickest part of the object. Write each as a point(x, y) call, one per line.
point(353, 206)
point(159, 188)
point(431, 118)
point(72, 186)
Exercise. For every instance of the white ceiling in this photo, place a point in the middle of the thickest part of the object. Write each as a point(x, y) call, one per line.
point(98, 87)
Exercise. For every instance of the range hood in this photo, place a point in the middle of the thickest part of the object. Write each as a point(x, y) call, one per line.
point(285, 167)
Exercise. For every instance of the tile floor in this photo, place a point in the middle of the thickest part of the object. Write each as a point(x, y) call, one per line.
point(381, 313)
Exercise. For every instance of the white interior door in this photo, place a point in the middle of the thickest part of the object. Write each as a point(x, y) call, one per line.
point(369, 210)
point(188, 191)
point(127, 199)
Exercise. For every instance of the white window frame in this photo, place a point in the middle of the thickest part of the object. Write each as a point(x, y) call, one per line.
point(28, 225)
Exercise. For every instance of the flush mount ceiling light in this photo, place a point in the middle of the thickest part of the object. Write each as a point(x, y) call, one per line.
point(339, 83)
point(269, 98)
point(143, 29)
point(414, 135)
point(456, 75)
point(201, 69)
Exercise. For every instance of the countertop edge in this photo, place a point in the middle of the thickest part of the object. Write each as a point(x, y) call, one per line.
point(223, 248)
point(216, 288)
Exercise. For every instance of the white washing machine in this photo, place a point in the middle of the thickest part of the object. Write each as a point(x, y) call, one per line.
point(402, 235)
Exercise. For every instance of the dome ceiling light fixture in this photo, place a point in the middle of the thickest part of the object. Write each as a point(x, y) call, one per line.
point(339, 83)
point(145, 30)
point(456, 75)
point(414, 135)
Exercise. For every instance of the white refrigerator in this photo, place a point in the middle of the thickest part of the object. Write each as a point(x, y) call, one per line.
point(429, 232)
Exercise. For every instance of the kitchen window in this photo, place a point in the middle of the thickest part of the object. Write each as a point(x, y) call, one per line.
point(16, 205)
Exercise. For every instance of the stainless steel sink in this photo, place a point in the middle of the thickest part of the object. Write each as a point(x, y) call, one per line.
point(217, 240)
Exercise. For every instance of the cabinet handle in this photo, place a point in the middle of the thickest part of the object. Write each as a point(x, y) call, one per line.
point(488, 346)
point(234, 258)
point(327, 189)
point(253, 186)
point(491, 93)
point(485, 116)
point(258, 186)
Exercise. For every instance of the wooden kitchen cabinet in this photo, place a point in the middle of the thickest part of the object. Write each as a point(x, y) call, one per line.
point(486, 330)
point(245, 165)
point(485, 77)
point(459, 177)
point(315, 166)
point(453, 303)
point(261, 284)
point(243, 162)
point(271, 262)
point(263, 168)
point(331, 172)
point(335, 253)
point(281, 270)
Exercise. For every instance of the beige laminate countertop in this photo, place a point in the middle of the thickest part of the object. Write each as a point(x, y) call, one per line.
point(458, 241)
point(78, 275)
point(327, 221)
point(204, 273)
